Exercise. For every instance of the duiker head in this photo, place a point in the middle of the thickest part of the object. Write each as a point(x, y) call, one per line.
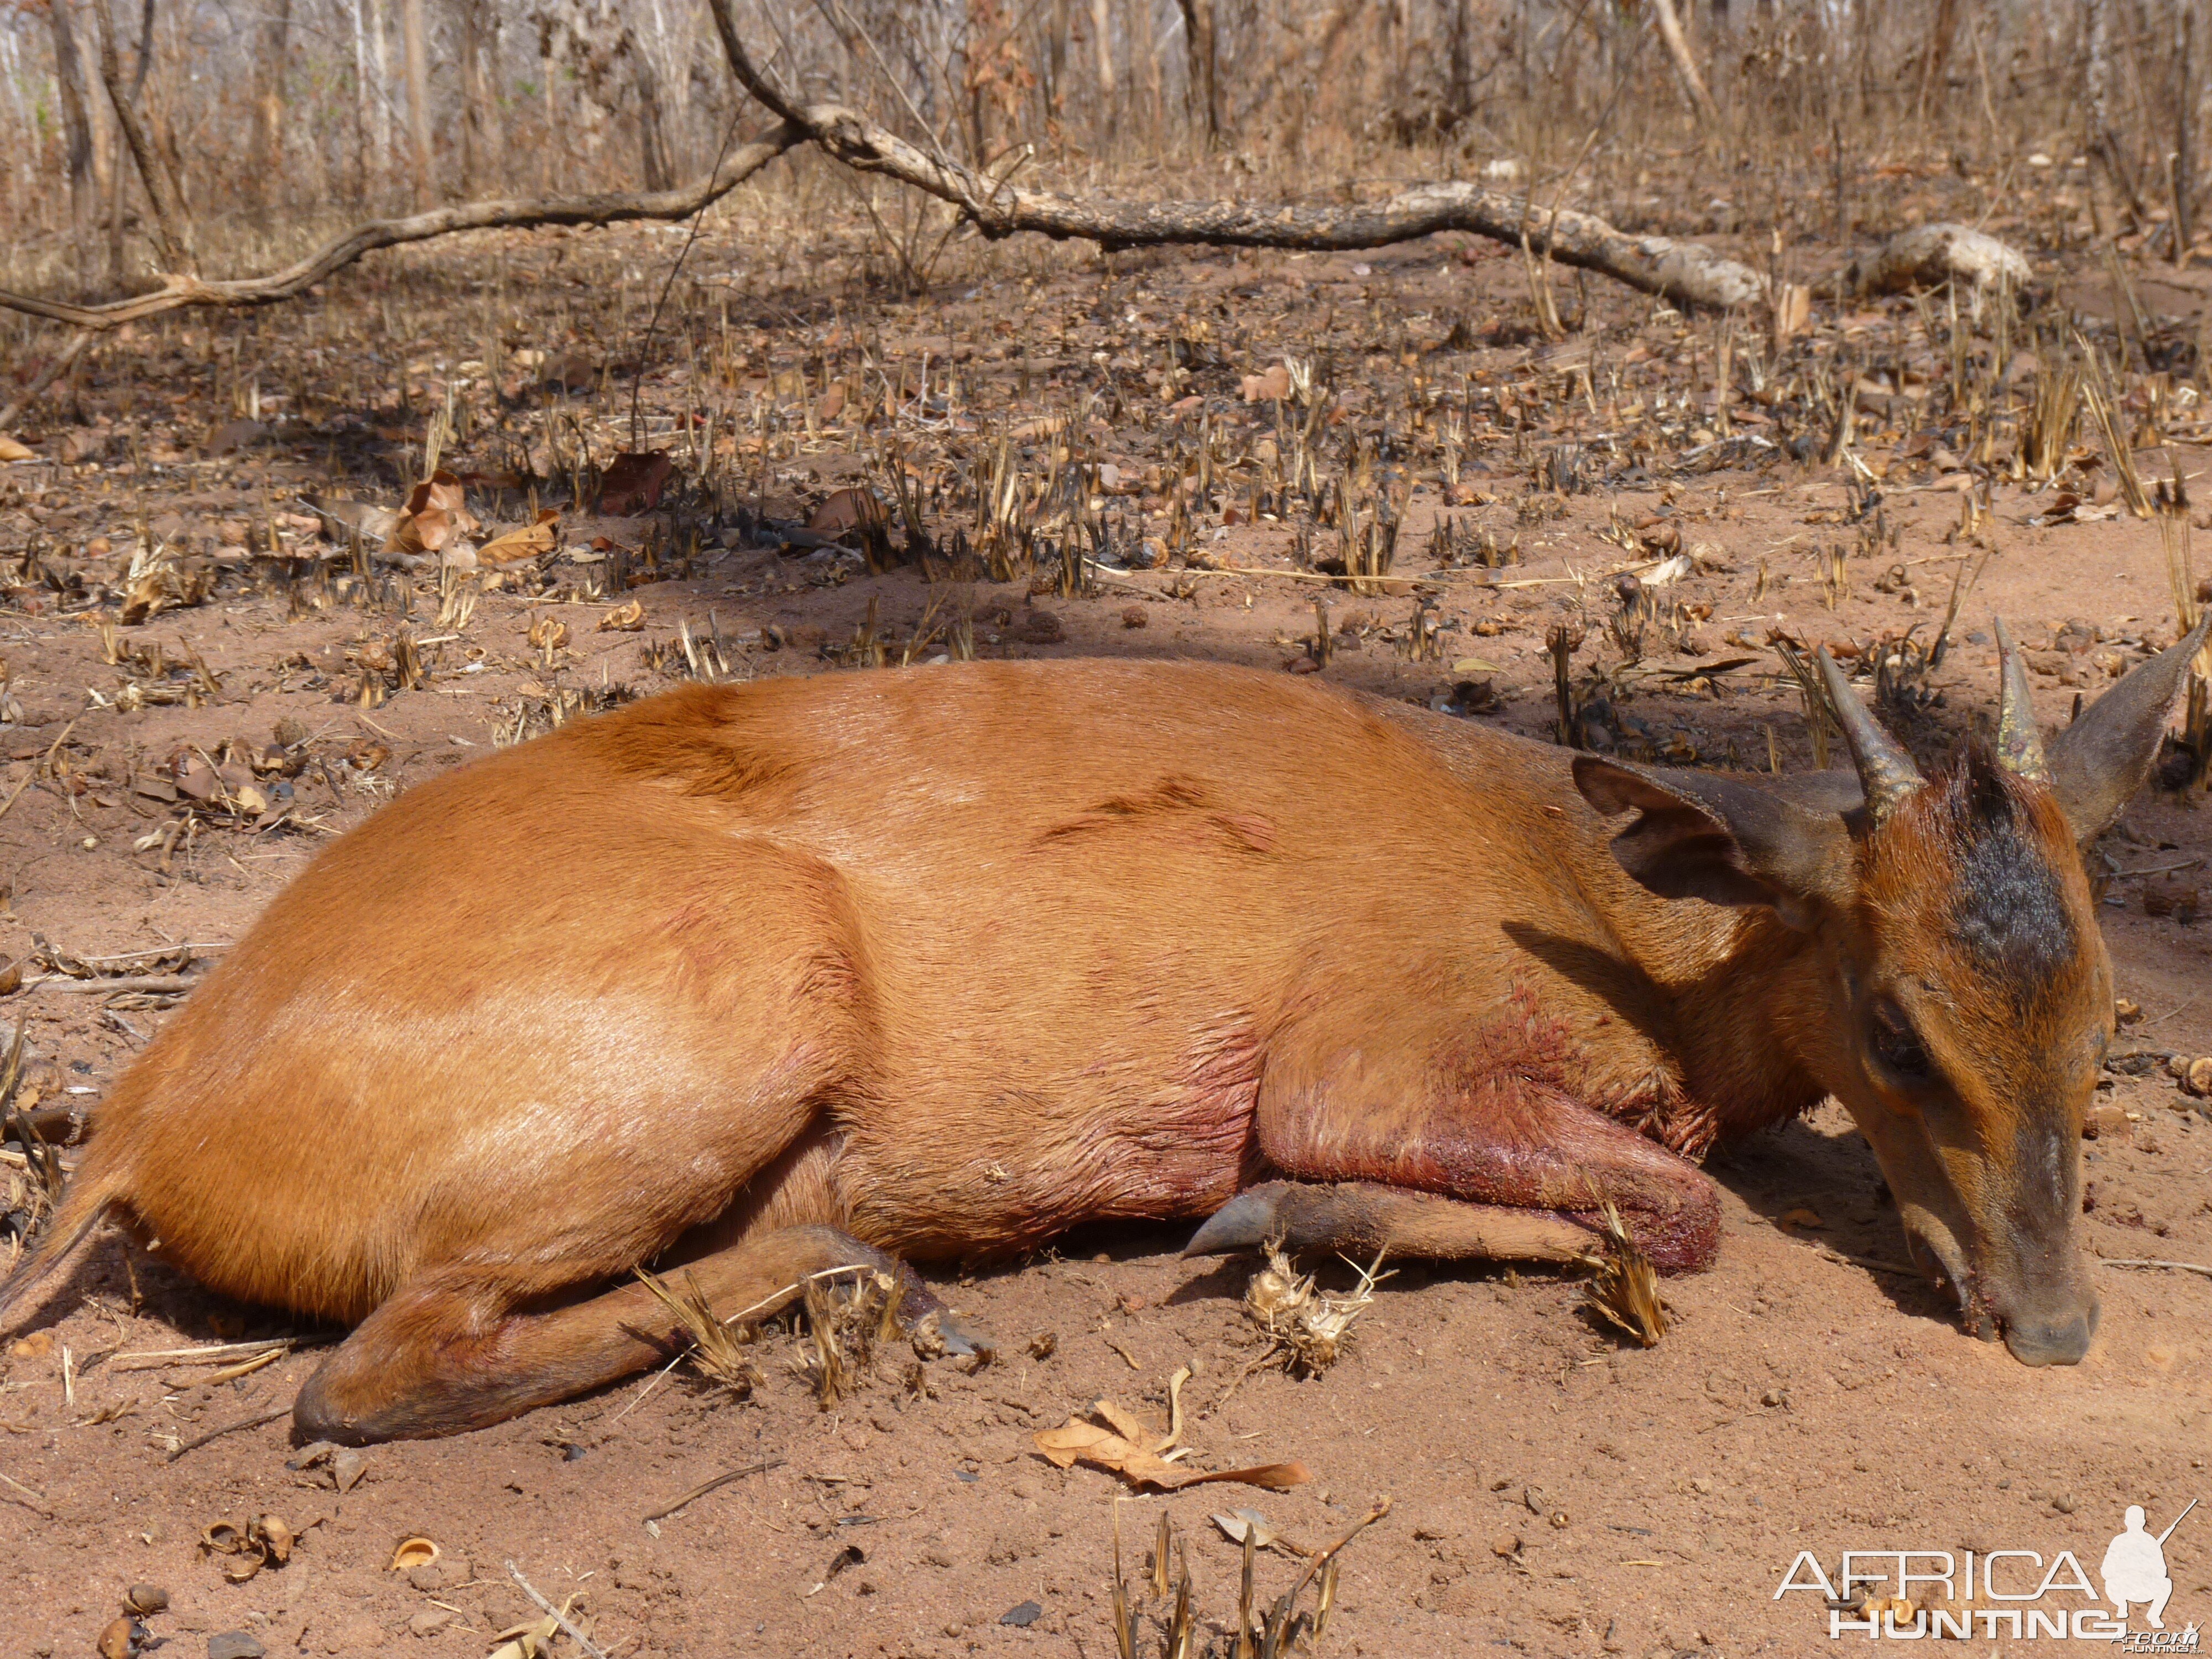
point(1966, 996)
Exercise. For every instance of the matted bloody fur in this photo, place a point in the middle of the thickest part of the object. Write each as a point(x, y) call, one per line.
point(936, 964)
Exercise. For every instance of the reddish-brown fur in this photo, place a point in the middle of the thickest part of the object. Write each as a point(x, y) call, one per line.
point(938, 963)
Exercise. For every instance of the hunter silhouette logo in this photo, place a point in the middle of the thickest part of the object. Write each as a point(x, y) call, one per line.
point(1907, 1595)
point(2133, 1569)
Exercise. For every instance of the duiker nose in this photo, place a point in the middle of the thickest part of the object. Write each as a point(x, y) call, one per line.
point(2058, 1336)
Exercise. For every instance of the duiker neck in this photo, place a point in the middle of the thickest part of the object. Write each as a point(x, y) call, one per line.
point(1748, 1000)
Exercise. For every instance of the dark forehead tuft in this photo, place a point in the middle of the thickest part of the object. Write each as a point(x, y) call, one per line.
point(2008, 906)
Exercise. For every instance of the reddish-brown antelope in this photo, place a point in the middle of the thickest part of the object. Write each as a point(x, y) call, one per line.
point(773, 978)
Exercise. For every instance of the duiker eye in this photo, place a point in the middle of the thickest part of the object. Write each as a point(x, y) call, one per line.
point(1896, 1045)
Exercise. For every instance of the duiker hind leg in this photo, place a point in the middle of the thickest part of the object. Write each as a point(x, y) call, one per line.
point(1464, 1128)
point(454, 1352)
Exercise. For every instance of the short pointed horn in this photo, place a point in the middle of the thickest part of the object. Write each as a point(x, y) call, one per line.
point(1887, 773)
point(2019, 745)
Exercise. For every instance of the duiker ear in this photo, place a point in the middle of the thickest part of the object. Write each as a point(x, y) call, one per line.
point(1719, 840)
point(2098, 763)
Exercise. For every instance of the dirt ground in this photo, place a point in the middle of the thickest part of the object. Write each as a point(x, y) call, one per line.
point(1552, 1490)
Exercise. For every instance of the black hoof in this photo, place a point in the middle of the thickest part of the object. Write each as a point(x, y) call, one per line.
point(961, 1338)
point(1245, 1223)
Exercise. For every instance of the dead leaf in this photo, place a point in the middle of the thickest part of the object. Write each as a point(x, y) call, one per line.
point(1802, 1217)
point(530, 542)
point(1121, 1423)
point(435, 512)
point(347, 1468)
point(1274, 384)
point(634, 483)
point(371, 523)
point(1793, 310)
point(12, 451)
point(848, 509)
point(1080, 1442)
point(622, 619)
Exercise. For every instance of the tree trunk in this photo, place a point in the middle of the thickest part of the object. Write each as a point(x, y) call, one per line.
point(1101, 46)
point(360, 115)
point(1198, 49)
point(1461, 85)
point(651, 134)
point(1939, 51)
point(2184, 180)
point(1686, 62)
point(76, 119)
point(379, 55)
point(480, 135)
point(274, 45)
point(416, 47)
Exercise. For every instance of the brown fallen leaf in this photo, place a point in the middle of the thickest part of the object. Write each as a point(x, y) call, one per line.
point(530, 542)
point(634, 483)
point(435, 512)
point(1121, 1423)
point(622, 619)
point(12, 451)
point(1275, 383)
point(848, 509)
point(1076, 1441)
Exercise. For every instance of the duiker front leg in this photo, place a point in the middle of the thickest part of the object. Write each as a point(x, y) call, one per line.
point(1391, 1127)
point(454, 1351)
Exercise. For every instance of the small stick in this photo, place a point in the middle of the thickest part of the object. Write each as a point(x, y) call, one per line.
point(211, 1356)
point(2160, 869)
point(557, 1616)
point(37, 1501)
point(119, 983)
point(230, 1428)
point(1316, 1562)
point(662, 1514)
point(2146, 1261)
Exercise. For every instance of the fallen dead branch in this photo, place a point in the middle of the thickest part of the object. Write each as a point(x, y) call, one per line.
point(1686, 272)
point(1928, 256)
point(181, 288)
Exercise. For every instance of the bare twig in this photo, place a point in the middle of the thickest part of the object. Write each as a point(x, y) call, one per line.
point(159, 983)
point(2148, 1261)
point(557, 1616)
point(720, 1480)
point(63, 362)
point(27, 1497)
point(221, 1353)
point(230, 1428)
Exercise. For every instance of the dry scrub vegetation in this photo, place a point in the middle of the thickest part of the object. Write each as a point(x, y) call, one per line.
point(272, 552)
